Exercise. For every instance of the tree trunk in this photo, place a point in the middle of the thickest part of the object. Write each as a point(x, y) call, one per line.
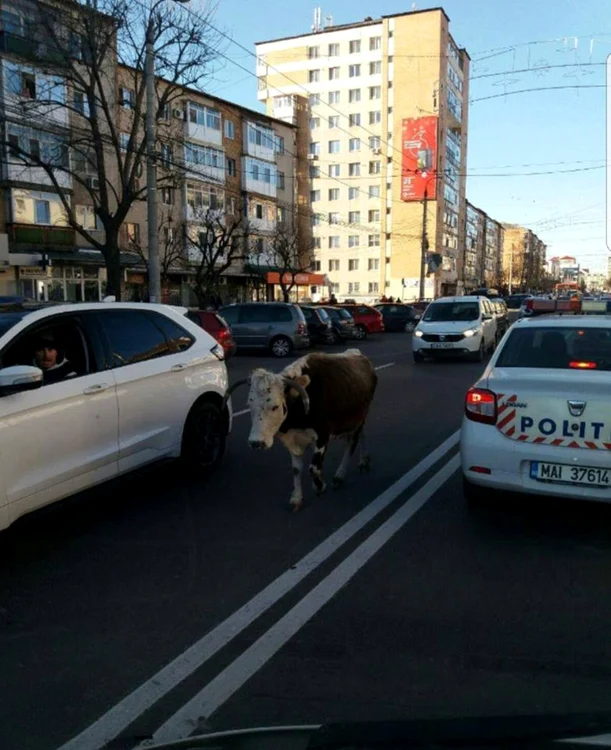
point(112, 256)
point(285, 294)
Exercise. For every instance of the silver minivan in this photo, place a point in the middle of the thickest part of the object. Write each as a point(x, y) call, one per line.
point(278, 327)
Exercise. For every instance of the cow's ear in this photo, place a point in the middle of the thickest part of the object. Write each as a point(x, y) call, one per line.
point(303, 381)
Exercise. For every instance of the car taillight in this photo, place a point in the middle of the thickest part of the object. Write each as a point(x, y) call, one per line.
point(480, 405)
point(528, 304)
point(302, 328)
point(583, 365)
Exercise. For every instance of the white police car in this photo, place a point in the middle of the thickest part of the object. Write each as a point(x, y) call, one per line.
point(539, 419)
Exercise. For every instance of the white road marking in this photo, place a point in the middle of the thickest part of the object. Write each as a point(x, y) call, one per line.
point(185, 721)
point(119, 717)
point(247, 411)
point(381, 367)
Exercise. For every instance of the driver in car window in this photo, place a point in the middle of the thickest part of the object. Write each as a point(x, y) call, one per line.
point(49, 356)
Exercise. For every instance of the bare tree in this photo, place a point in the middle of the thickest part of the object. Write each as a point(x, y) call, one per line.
point(86, 130)
point(172, 254)
point(215, 242)
point(289, 258)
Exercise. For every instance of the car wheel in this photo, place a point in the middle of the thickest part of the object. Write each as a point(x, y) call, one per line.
point(473, 493)
point(281, 346)
point(360, 333)
point(418, 358)
point(203, 440)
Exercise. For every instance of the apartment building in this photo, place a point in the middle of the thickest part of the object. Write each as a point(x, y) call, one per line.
point(523, 258)
point(483, 250)
point(381, 106)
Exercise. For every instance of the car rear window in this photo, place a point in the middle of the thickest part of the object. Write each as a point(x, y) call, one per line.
point(569, 348)
point(324, 315)
point(448, 311)
point(344, 313)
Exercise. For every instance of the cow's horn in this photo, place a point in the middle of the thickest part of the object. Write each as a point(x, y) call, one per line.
point(232, 388)
point(302, 392)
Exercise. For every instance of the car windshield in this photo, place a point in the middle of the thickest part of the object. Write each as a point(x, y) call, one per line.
point(452, 311)
point(570, 348)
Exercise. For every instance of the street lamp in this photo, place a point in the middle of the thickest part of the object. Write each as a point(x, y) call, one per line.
point(151, 174)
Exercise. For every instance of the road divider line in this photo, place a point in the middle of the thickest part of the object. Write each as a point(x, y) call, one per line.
point(186, 720)
point(110, 725)
point(247, 411)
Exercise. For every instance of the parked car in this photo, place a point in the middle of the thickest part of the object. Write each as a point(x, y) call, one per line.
point(342, 324)
point(320, 329)
point(398, 317)
point(501, 314)
point(456, 326)
point(217, 327)
point(278, 327)
point(89, 391)
point(514, 301)
point(367, 320)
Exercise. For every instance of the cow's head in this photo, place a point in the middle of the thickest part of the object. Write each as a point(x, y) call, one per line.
point(268, 400)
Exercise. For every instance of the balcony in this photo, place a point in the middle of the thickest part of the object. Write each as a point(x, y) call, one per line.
point(40, 237)
point(29, 48)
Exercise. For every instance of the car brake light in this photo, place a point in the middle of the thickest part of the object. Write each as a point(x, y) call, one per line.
point(583, 365)
point(481, 406)
point(302, 328)
point(528, 304)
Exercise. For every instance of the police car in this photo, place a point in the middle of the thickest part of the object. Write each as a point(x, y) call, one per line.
point(539, 419)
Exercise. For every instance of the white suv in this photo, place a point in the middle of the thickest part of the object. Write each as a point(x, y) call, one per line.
point(457, 326)
point(90, 391)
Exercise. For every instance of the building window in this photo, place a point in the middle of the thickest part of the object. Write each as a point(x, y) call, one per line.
point(334, 147)
point(354, 169)
point(85, 216)
point(314, 123)
point(281, 214)
point(231, 209)
point(353, 264)
point(314, 196)
point(374, 216)
point(229, 129)
point(334, 170)
point(210, 157)
point(353, 193)
point(316, 265)
point(167, 155)
point(167, 196)
point(375, 43)
point(313, 52)
point(333, 50)
point(375, 167)
point(354, 95)
point(334, 121)
point(354, 144)
point(373, 264)
point(132, 232)
point(354, 120)
point(354, 71)
point(279, 144)
point(334, 265)
point(314, 100)
point(314, 172)
point(81, 104)
point(333, 74)
point(313, 76)
point(375, 67)
point(374, 191)
point(334, 218)
point(267, 175)
point(281, 182)
point(333, 194)
point(204, 198)
point(42, 212)
point(353, 240)
point(316, 243)
point(355, 46)
point(374, 142)
point(354, 217)
point(127, 98)
point(231, 167)
point(334, 97)
point(373, 287)
point(334, 241)
point(375, 117)
point(375, 92)
point(374, 240)
point(354, 287)
point(315, 148)
point(316, 220)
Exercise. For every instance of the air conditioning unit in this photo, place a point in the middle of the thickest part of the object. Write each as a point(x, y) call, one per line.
point(313, 156)
point(178, 114)
point(377, 151)
point(93, 182)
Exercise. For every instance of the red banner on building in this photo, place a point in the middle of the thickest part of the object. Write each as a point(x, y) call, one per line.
point(419, 148)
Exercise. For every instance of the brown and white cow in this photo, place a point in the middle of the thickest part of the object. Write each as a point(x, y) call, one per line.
point(313, 399)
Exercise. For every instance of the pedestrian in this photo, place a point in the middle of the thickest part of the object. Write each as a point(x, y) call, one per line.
point(333, 299)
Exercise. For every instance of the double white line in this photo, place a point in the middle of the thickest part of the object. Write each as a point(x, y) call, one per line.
point(115, 721)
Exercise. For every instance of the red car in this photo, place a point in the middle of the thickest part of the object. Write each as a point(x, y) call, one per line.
point(368, 320)
point(216, 326)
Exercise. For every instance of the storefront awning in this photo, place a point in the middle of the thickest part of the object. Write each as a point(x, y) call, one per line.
point(301, 279)
point(85, 256)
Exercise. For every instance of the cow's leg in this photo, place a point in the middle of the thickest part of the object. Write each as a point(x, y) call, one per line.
point(297, 442)
point(316, 465)
point(364, 457)
point(296, 500)
point(351, 443)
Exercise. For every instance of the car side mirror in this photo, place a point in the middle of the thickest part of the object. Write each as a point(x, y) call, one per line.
point(19, 378)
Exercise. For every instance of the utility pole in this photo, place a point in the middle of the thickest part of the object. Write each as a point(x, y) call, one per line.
point(511, 269)
point(151, 173)
point(425, 242)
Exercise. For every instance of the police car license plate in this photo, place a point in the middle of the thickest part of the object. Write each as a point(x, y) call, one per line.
point(544, 472)
point(444, 345)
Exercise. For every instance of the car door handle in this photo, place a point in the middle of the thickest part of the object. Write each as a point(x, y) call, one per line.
point(98, 388)
point(178, 367)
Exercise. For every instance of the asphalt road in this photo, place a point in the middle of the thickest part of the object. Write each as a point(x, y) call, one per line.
point(156, 606)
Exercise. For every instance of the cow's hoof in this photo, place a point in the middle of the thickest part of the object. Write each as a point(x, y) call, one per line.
point(319, 488)
point(337, 482)
point(365, 465)
point(294, 507)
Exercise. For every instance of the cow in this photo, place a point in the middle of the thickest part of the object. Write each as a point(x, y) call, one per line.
point(313, 399)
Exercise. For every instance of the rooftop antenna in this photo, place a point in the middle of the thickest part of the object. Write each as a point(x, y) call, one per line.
point(414, 6)
point(316, 26)
point(328, 21)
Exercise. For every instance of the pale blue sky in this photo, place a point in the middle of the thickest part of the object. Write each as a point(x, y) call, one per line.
point(514, 45)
